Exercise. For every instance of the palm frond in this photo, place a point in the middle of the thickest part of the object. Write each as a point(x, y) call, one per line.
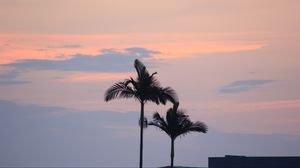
point(169, 94)
point(132, 81)
point(159, 122)
point(153, 81)
point(140, 69)
point(121, 90)
point(184, 128)
point(153, 74)
point(162, 95)
point(199, 127)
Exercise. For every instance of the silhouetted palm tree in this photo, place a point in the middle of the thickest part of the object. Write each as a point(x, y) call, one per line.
point(145, 88)
point(177, 123)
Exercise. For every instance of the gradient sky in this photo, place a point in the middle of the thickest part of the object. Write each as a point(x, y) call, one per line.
point(234, 64)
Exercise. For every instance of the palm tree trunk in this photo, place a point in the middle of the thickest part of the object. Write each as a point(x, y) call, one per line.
point(172, 152)
point(141, 133)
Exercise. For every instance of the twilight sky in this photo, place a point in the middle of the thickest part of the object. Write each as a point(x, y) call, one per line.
point(234, 64)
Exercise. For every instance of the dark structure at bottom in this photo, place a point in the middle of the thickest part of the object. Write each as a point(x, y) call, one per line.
point(230, 161)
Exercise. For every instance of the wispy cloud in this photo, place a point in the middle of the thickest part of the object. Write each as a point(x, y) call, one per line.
point(51, 47)
point(10, 77)
point(98, 76)
point(243, 85)
point(110, 60)
point(12, 82)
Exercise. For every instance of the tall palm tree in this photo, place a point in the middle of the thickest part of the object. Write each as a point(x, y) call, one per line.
point(144, 88)
point(177, 123)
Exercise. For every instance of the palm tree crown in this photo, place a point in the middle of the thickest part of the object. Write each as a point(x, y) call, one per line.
point(145, 88)
point(177, 123)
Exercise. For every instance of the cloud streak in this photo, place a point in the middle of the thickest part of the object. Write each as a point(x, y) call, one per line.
point(66, 46)
point(243, 85)
point(110, 60)
point(10, 77)
point(88, 77)
point(12, 82)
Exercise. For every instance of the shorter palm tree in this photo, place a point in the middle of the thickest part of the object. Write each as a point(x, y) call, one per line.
point(177, 123)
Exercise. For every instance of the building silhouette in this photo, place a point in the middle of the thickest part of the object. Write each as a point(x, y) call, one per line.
point(230, 161)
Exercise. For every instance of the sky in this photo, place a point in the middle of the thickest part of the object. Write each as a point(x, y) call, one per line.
point(234, 64)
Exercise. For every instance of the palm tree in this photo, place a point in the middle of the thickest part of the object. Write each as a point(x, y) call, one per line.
point(177, 123)
point(144, 88)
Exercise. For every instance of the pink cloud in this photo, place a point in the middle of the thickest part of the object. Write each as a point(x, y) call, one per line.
point(88, 77)
point(277, 104)
point(14, 47)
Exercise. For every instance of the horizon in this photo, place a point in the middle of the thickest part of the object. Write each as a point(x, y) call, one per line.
point(234, 65)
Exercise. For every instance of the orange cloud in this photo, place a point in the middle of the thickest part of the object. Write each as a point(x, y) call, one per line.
point(183, 50)
point(14, 47)
point(88, 77)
